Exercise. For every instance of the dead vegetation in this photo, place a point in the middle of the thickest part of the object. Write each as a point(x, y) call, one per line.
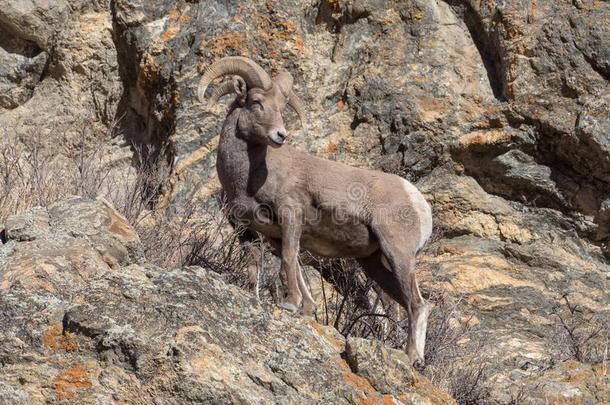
point(456, 351)
point(183, 233)
point(580, 334)
point(456, 347)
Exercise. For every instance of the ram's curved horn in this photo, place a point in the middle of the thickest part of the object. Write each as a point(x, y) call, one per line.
point(220, 91)
point(225, 88)
point(297, 105)
point(250, 71)
point(284, 81)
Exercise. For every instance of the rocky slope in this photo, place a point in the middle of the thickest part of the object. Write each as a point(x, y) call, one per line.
point(497, 109)
point(87, 319)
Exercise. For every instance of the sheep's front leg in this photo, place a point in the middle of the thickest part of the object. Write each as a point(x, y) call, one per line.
point(309, 305)
point(289, 271)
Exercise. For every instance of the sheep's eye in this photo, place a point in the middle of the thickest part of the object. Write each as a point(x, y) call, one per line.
point(257, 105)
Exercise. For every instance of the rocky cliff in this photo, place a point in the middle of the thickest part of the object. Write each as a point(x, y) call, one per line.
point(497, 109)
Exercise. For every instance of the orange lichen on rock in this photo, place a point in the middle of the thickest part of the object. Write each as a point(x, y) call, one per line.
point(363, 385)
point(376, 400)
point(597, 4)
point(491, 4)
point(285, 30)
point(147, 69)
point(169, 34)
point(175, 19)
point(484, 137)
point(68, 382)
point(299, 44)
point(54, 339)
point(176, 97)
point(331, 148)
point(231, 40)
point(335, 343)
point(174, 14)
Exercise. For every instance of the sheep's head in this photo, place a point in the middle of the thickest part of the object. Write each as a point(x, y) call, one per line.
point(262, 99)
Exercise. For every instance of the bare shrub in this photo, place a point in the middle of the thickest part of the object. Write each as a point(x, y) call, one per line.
point(456, 348)
point(355, 305)
point(455, 353)
point(580, 334)
point(186, 233)
point(350, 290)
point(34, 173)
point(182, 233)
point(29, 175)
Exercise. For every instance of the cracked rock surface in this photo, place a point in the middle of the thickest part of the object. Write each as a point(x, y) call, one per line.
point(87, 319)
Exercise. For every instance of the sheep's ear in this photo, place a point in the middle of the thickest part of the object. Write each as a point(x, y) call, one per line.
point(241, 89)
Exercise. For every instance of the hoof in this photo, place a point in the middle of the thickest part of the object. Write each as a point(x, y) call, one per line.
point(288, 307)
point(417, 360)
point(309, 309)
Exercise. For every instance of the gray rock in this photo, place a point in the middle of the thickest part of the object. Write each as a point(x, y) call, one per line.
point(136, 333)
point(518, 176)
point(27, 226)
point(19, 75)
point(603, 219)
point(371, 359)
point(34, 20)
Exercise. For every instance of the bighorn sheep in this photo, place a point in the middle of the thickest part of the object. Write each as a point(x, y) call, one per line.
point(298, 201)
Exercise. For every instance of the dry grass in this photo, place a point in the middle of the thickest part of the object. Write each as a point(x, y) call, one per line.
point(33, 173)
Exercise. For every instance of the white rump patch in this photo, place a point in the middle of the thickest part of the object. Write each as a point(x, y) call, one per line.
point(424, 212)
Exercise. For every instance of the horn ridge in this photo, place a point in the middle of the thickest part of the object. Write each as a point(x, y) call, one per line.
point(250, 71)
point(220, 91)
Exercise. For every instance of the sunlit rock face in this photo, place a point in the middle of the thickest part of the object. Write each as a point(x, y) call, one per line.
point(498, 110)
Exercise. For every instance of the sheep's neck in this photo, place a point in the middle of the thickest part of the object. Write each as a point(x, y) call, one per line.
point(241, 165)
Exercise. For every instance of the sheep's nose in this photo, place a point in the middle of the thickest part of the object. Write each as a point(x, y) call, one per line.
point(282, 135)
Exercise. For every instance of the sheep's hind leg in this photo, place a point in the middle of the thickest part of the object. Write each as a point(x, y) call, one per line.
point(400, 250)
point(374, 268)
